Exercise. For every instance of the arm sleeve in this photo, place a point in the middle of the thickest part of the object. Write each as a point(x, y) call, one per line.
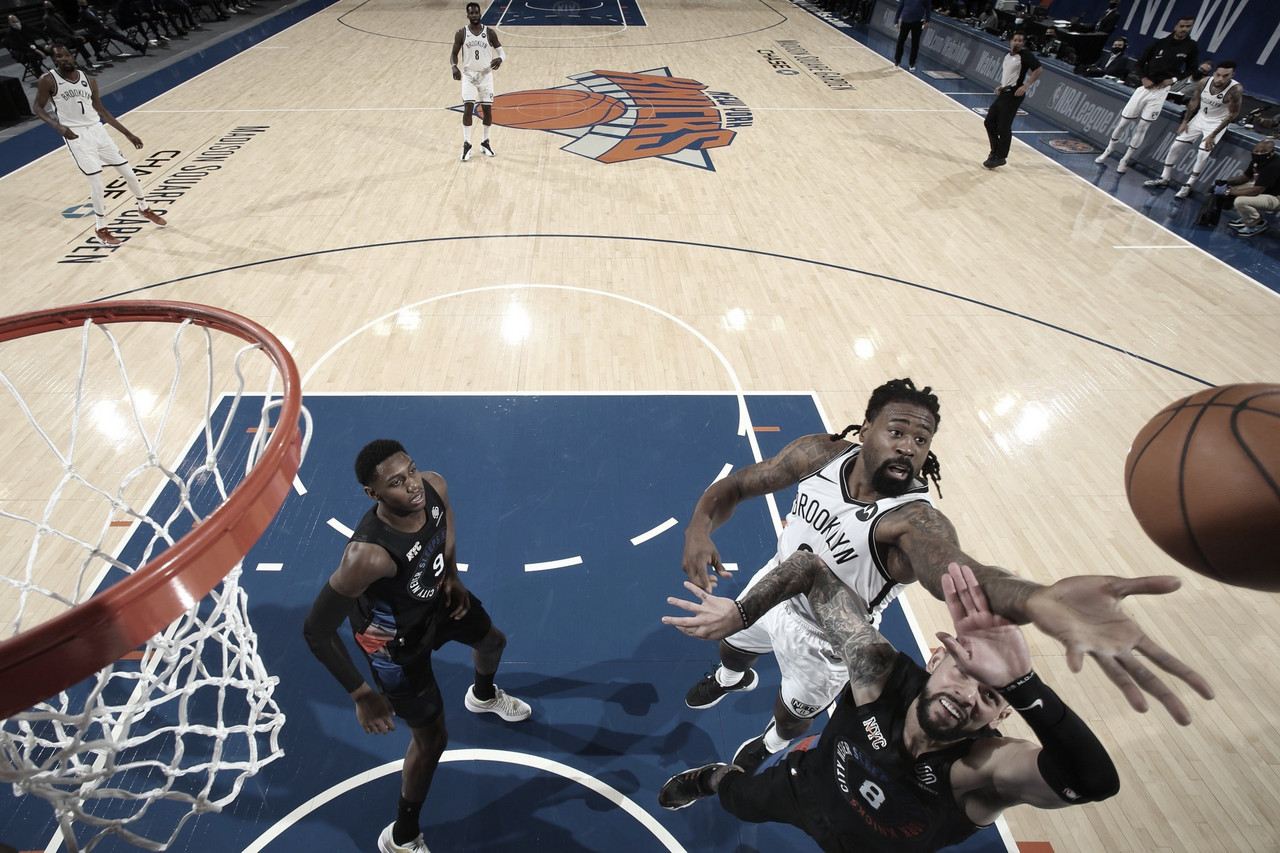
point(321, 632)
point(1072, 760)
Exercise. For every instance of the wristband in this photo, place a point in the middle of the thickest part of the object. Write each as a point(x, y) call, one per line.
point(1017, 683)
point(746, 623)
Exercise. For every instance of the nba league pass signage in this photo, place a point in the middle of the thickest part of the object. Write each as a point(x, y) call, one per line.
point(623, 116)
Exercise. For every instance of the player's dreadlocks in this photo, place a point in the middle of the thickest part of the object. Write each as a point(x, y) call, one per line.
point(905, 391)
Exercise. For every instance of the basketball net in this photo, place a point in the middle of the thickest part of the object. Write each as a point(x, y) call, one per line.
point(176, 727)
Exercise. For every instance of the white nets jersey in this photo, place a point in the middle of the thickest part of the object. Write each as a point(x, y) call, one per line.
point(841, 530)
point(73, 101)
point(477, 53)
point(1213, 108)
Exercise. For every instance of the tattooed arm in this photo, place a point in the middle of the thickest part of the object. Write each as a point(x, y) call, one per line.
point(1082, 612)
point(922, 542)
point(840, 611)
point(802, 456)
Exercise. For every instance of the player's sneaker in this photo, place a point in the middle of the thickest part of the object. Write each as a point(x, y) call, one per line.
point(151, 216)
point(466, 151)
point(1122, 166)
point(105, 237)
point(709, 691)
point(387, 845)
point(753, 753)
point(503, 704)
point(487, 149)
point(912, 68)
point(1156, 183)
point(1183, 192)
point(1102, 158)
point(1252, 230)
point(686, 788)
point(1237, 223)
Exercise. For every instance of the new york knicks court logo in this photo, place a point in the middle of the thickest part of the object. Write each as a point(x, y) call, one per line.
point(620, 116)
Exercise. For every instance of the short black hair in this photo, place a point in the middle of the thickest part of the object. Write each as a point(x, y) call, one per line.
point(1226, 63)
point(1191, 18)
point(469, 5)
point(372, 455)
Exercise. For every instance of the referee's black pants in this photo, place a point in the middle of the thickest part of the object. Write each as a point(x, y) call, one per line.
point(914, 28)
point(999, 121)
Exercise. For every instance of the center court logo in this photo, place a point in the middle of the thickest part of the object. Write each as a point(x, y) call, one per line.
point(621, 116)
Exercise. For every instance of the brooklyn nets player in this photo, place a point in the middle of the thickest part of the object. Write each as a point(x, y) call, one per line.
point(482, 54)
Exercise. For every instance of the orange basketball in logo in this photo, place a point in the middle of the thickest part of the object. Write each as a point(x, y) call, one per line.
point(555, 109)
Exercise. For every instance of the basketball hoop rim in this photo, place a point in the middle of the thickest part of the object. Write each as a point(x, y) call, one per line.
point(63, 650)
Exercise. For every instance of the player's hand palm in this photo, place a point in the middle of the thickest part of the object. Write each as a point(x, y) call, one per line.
point(1084, 614)
point(987, 646)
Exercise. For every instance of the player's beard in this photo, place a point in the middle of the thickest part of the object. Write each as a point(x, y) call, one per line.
point(947, 732)
point(886, 484)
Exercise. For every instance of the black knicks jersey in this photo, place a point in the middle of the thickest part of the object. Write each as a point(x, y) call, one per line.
point(874, 794)
point(395, 614)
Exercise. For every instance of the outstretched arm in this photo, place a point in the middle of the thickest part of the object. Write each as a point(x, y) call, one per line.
point(800, 457)
point(1068, 766)
point(1081, 612)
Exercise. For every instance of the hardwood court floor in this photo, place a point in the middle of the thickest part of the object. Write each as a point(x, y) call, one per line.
point(844, 236)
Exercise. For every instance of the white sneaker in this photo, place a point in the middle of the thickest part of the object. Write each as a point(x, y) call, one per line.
point(1123, 166)
point(387, 845)
point(1184, 192)
point(503, 704)
point(1102, 158)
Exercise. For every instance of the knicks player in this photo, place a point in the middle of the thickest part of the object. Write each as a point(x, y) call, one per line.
point(1213, 106)
point(865, 511)
point(398, 583)
point(482, 54)
point(78, 115)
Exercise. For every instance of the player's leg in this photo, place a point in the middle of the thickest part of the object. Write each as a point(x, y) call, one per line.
point(486, 108)
point(477, 630)
point(111, 155)
point(738, 654)
point(1152, 104)
point(1130, 113)
point(470, 95)
point(415, 698)
point(1180, 144)
point(812, 677)
point(916, 29)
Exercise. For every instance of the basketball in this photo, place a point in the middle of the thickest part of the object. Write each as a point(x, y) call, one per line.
point(555, 109)
point(1203, 480)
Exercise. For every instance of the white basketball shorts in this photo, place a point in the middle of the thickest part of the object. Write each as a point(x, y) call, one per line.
point(477, 86)
point(92, 149)
point(812, 673)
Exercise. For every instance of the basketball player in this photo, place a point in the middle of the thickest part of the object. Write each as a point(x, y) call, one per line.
point(865, 510)
point(1164, 61)
point(1215, 104)
point(910, 760)
point(398, 582)
point(482, 54)
point(78, 116)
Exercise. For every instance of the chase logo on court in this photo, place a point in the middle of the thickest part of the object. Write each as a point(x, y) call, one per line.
point(620, 116)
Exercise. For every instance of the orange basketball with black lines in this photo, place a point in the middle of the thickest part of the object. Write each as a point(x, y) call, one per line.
point(555, 109)
point(1203, 480)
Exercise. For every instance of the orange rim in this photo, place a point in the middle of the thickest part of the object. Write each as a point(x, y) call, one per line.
point(70, 647)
